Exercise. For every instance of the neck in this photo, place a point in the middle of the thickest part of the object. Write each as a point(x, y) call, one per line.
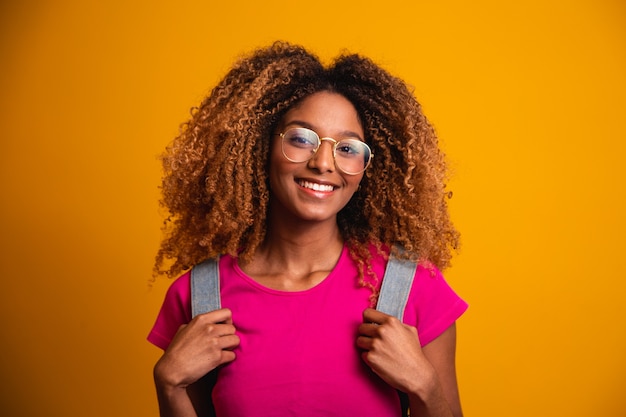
point(296, 255)
point(303, 240)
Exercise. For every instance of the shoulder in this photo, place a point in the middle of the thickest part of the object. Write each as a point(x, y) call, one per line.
point(429, 284)
point(433, 305)
point(175, 311)
point(428, 273)
point(180, 290)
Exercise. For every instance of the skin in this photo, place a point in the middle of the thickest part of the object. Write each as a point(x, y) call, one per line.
point(198, 348)
point(392, 349)
point(303, 245)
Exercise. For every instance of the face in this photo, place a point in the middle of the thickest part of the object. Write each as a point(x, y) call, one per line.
point(315, 190)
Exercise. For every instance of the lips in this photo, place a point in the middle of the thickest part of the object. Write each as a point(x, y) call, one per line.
point(326, 188)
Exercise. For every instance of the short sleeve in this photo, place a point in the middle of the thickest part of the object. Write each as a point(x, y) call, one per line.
point(175, 311)
point(433, 306)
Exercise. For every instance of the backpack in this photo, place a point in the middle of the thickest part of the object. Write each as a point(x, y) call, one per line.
point(394, 293)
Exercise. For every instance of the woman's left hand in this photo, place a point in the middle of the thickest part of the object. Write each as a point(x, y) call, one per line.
point(393, 351)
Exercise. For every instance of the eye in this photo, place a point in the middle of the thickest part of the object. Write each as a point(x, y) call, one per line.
point(350, 148)
point(301, 138)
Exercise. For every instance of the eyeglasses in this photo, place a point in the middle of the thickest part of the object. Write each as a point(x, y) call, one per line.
point(351, 155)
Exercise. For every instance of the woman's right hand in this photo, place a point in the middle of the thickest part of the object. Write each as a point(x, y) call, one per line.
point(198, 348)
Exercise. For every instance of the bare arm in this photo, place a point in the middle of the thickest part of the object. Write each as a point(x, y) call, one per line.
point(198, 348)
point(392, 349)
point(200, 395)
point(444, 390)
point(173, 401)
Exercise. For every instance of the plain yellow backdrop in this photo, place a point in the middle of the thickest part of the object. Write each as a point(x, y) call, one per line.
point(527, 97)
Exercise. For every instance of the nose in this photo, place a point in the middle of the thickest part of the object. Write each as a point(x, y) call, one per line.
point(323, 160)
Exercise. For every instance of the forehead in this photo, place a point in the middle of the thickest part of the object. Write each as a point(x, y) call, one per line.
point(325, 112)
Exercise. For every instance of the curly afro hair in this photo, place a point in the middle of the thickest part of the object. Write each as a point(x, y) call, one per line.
point(215, 185)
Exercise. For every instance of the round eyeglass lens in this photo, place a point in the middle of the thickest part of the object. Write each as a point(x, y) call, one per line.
point(300, 144)
point(352, 156)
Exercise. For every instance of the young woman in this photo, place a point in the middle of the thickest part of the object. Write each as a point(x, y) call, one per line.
point(304, 179)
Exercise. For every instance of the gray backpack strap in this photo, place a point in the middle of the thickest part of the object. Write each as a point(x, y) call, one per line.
point(205, 287)
point(396, 287)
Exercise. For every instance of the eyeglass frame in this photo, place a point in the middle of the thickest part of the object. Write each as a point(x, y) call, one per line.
point(335, 143)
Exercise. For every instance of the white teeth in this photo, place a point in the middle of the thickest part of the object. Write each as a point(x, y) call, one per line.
point(315, 186)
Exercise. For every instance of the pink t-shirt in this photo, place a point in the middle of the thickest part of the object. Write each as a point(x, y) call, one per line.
point(298, 353)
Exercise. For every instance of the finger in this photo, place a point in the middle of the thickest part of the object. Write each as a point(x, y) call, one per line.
point(374, 316)
point(364, 356)
point(368, 329)
point(229, 342)
point(223, 315)
point(222, 329)
point(227, 356)
point(364, 342)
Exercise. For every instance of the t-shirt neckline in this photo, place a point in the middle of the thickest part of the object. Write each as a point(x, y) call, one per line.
point(252, 282)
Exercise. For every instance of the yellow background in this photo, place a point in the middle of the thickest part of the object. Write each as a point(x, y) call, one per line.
point(528, 99)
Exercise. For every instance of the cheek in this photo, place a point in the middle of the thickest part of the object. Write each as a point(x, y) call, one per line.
point(354, 181)
point(278, 168)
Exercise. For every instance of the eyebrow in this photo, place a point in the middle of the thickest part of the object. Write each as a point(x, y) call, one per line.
point(343, 134)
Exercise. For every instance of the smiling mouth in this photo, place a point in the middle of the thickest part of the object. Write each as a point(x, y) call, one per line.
point(315, 186)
